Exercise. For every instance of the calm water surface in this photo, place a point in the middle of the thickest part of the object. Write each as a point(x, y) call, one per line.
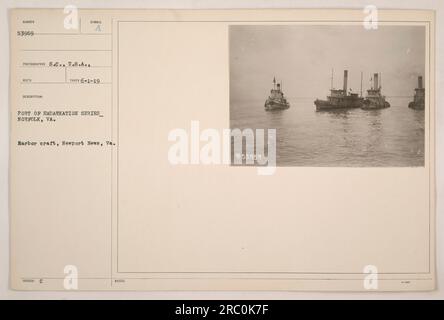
point(388, 137)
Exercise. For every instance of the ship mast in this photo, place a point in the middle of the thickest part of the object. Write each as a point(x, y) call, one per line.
point(361, 84)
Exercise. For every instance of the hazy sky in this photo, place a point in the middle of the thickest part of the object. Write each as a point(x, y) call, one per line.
point(303, 57)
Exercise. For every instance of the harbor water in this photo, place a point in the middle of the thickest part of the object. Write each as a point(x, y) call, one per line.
point(392, 137)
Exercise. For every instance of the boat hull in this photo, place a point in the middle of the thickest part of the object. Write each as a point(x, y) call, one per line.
point(324, 105)
point(416, 105)
point(374, 105)
point(275, 105)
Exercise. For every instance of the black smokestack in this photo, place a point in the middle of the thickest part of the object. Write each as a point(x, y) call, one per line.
point(345, 80)
point(420, 82)
point(375, 77)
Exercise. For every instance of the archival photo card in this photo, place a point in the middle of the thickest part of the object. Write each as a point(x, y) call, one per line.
point(121, 133)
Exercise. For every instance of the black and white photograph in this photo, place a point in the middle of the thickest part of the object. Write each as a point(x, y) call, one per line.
point(337, 95)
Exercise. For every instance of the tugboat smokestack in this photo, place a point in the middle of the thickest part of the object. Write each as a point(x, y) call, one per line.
point(345, 80)
point(375, 76)
point(420, 82)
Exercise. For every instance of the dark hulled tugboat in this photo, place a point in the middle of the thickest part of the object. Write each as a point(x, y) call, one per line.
point(374, 99)
point(339, 98)
point(276, 100)
point(418, 99)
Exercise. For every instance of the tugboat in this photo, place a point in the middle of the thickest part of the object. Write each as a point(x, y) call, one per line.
point(374, 99)
point(339, 98)
point(418, 99)
point(276, 100)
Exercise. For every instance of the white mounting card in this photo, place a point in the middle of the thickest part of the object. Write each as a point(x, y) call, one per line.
point(222, 149)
